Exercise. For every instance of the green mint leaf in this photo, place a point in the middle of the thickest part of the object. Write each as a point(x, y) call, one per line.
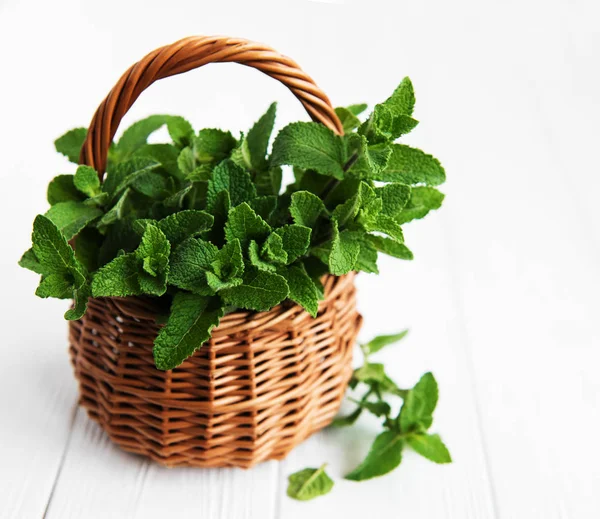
point(347, 118)
point(218, 284)
point(422, 200)
point(62, 189)
point(384, 224)
point(367, 257)
point(383, 457)
point(274, 249)
point(411, 166)
point(119, 278)
point(345, 250)
point(357, 109)
point(258, 138)
point(268, 181)
point(376, 408)
point(29, 261)
point(154, 251)
point(165, 154)
point(116, 212)
point(86, 180)
point(264, 206)
point(391, 247)
point(370, 372)
point(212, 145)
point(260, 291)
point(257, 260)
point(190, 323)
point(381, 341)
point(121, 176)
point(295, 240)
point(245, 225)
point(430, 446)
point(70, 144)
point(310, 146)
point(402, 101)
point(229, 261)
point(394, 198)
point(306, 208)
point(347, 420)
point(55, 285)
point(189, 264)
point(419, 404)
point(370, 159)
point(227, 176)
point(87, 248)
point(179, 226)
point(81, 294)
point(307, 484)
point(302, 289)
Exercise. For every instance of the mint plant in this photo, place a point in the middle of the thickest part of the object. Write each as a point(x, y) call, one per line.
point(204, 225)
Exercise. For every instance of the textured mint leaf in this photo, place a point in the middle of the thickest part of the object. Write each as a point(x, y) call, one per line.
point(411, 166)
point(229, 261)
point(227, 176)
point(62, 189)
point(347, 118)
point(430, 446)
point(295, 240)
point(391, 247)
point(381, 341)
point(123, 175)
point(367, 257)
point(81, 294)
point(87, 248)
point(165, 154)
point(260, 291)
point(274, 249)
point(55, 285)
point(310, 146)
point(383, 457)
point(256, 259)
point(70, 144)
point(154, 251)
point(357, 109)
point(362, 200)
point(245, 225)
point(180, 130)
point(257, 140)
point(29, 261)
point(211, 145)
point(402, 101)
point(86, 180)
point(345, 249)
point(394, 197)
point(302, 288)
point(369, 159)
point(264, 206)
point(307, 484)
point(190, 323)
point(185, 224)
point(306, 208)
point(370, 372)
point(419, 404)
point(119, 278)
point(116, 212)
point(268, 181)
point(217, 284)
point(422, 200)
point(189, 264)
point(384, 224)
point(220, 212)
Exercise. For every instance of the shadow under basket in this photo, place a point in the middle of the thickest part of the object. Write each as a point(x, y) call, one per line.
point(261, 385)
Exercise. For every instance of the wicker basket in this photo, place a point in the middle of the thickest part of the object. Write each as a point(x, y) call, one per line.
point(264, 381)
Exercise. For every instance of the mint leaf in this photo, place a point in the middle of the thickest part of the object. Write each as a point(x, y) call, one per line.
point(229, 262)
point(419, 404)
point(274, 249)
point(165, 154)
point(244, 224)
point(384, 224)
point(411, 166)
point(86, 180)
point(72, 217)
point(264, 206)
point(302, 289)
point(376, 408)
point(370, 372)
point(119, 278)
point(430, 446)
point(310, 146)
point(307, 484)
point(29, 261)
point(257, 260)
point(347, 118)
point(422, 200)
point(370, 159)
point(344, 252)
point(367, 257)
point(295, 240)
point(55, 285)
point(381, 341)
point(212, 145)
point(227, 176)
point(154, 251)
point(189, 264)
point(260, 291)
point(62, 189)
point(306, 208)
point(347, 420)
point(402, 101)
point(394, 198)
point(391, 247)
point(179, 226)
point(81, 294)
point(70, 144)
point(190, 323)
point(257, 140)
point(383, 457)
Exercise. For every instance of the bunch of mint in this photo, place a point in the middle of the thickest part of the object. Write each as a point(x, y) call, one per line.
point(203, 224)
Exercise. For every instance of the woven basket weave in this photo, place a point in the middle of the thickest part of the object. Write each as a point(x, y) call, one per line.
point(264, 381)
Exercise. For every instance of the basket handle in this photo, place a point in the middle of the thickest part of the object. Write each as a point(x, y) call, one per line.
point(187, 54)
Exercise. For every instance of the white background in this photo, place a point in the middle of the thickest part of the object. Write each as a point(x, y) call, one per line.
point(502, 298)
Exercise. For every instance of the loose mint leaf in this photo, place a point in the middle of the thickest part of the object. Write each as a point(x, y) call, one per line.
point(189, 326)
point(55, 285)
point(391, 247)
point(307, 484)
point(306, 208)
point(310, 146)
point(70, 144)
point(430, 446)
point(227, 176)
point(119, 278)
point(258, 138)
point(29, 261)
point(185, 224)
point(244, 224)
point(295, 240)
point(344, 252)
point(411, 166)
point(419, 404)
point(274, 249)
point(347, 420)
point(383, 457)
point(381, 341)
point(62, 189)
point(260, 291)
point(370, 372)
point(394, 197)
point(422, 200)
point(86, 180)
point(302, 288)
point(189, 264)
point(348, 119)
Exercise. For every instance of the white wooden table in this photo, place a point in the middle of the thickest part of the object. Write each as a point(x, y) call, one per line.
point(502, 298)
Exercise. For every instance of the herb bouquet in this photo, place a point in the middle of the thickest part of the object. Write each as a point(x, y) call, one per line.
point(181, 244)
